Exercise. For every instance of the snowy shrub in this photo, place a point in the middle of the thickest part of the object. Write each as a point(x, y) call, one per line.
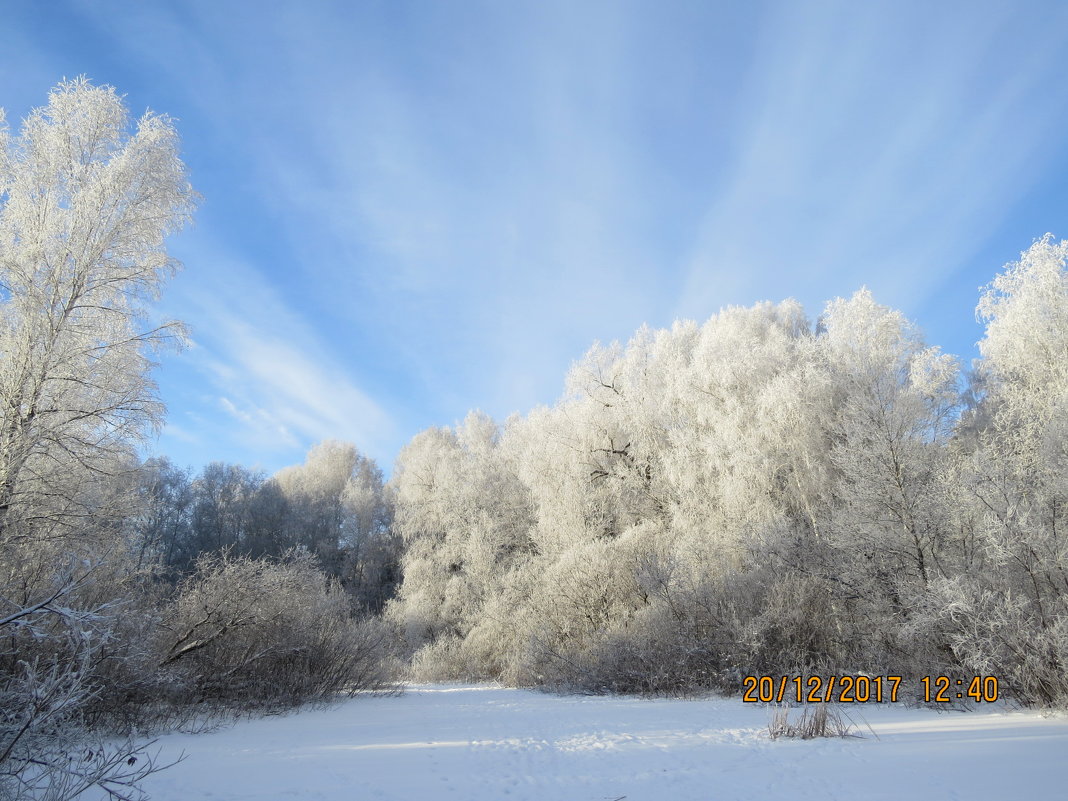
point(443, 660)
point(247, 633)
point(794, 628)
point(55, 635)
point(998, 632)
point(655, 655)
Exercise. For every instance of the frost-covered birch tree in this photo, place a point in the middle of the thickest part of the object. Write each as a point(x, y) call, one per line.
point(85, 207)
point(1008, 609)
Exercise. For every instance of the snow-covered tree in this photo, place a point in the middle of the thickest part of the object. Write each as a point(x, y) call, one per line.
point(895, 407)
point(338, 508)
point(464, 518)
point(85, 207)
point(1008, 610)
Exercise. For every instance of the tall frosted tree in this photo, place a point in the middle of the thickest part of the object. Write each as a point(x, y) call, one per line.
point(895, 403)
point(86, 207)
point(464, 518)
point(338, 508)
point(1013, 598)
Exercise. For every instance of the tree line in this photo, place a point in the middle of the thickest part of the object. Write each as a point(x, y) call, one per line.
point(334, 506)
point(760, 494)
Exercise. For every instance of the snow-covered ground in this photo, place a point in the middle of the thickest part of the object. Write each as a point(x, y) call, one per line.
point(485, 743)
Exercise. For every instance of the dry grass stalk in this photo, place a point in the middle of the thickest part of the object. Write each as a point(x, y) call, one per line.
point(815, 720)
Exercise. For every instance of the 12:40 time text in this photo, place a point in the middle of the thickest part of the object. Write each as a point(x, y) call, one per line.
point(864, 689)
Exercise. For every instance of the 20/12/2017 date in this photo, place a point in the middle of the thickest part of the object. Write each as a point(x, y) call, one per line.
point(865, 689)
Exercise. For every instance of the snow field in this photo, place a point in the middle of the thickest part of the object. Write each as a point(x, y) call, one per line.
point(486, 743)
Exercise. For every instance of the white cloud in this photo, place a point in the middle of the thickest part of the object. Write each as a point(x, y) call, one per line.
point(872, 153)
point(272, 373)
point(262, 424)
point(441, 214)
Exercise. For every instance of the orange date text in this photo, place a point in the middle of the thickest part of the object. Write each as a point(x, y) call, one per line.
point(820, 689)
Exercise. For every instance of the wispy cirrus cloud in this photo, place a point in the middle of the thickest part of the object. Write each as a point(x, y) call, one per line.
point(278, 383)
point(880, 146)
point(414, 209)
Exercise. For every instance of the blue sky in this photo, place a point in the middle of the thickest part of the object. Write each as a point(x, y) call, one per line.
point(412, 209)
